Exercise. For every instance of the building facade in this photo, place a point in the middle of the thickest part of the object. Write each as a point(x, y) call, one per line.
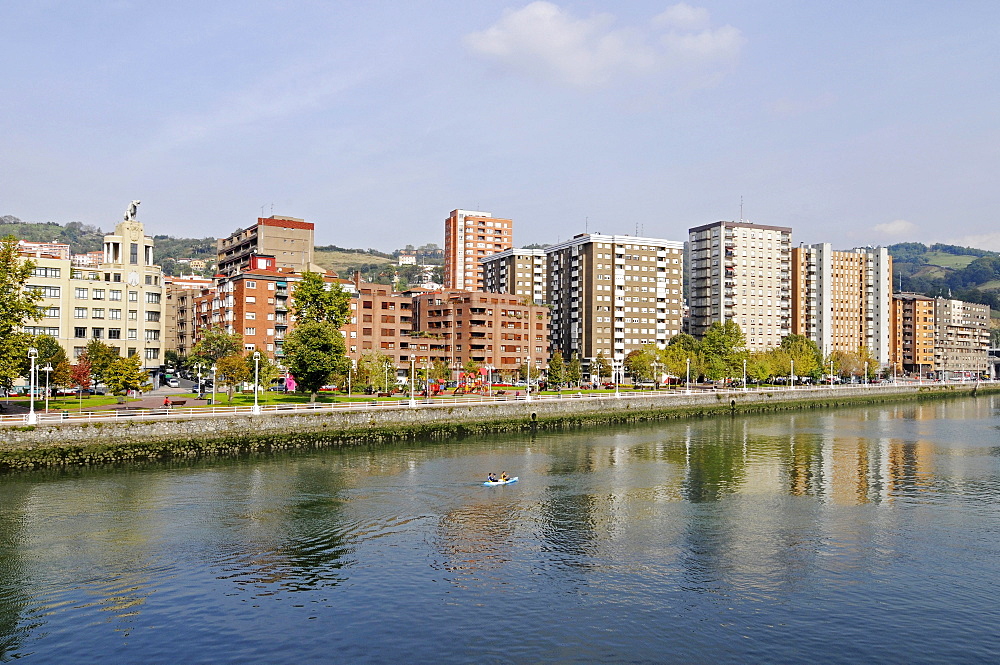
point(494, 330)
point(961, 338)
point(288, 239)
point(741, 271)
point(468, 237)
point(611, 294)
point(520, 272)
point(842, 300)
point(119, 302)
point(912, 333)
point(176, 290)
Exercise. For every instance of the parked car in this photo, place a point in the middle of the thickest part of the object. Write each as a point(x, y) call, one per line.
point(173, 383)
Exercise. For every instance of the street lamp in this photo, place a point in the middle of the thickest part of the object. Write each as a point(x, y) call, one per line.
point(618, 375)
point(656, 376)
point(744, 375)
point(214, 368)
point(687, 386)
point(831, 372)
point(350, 367)
point(48, 372)
point(413, 398)
point(32, 419)
point(792, 377)
point(527, 392)
point(489, 380)
point(256, 374)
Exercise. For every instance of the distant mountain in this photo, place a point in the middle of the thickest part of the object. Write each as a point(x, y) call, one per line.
point(965, 273)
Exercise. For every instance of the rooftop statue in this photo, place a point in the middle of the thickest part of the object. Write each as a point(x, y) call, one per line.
point(131, 211)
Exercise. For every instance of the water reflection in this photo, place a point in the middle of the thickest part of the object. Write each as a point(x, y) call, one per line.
point(711, 513)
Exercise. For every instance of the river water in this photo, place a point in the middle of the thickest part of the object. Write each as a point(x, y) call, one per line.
point(844, 536)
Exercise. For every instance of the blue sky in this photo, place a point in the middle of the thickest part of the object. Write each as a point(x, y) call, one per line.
point(854, 123)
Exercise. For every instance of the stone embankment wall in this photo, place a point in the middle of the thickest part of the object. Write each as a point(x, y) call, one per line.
point(106, 442)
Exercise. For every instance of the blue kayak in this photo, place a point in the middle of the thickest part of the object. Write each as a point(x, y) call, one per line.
point(501, 482)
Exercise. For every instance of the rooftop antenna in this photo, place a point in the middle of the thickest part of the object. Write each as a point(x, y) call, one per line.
point(637, 228)
point(741, 210)
point(272, 208)
point(586, 224)
point(262, 210)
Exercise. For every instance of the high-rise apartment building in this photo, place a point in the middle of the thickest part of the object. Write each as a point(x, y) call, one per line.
point(118, 302)
point(842, 300)
point(520, 272)
point(612, 294)
point(468, 237)
point(741, 271)
point(288, 239)
point(912, 333)
point(176, 293)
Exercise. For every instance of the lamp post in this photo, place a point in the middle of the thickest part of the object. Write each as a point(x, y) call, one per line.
point(687, 385)
point(527, 392)
point(32, 419)
point(201, 388)
point(214, 369)
point(256, 374)
point(618, 375)
point(831, 372)
point(413, 397)
point(744, 375)
point(349, 368)
point(656, 376)
point(48, 372)
point(489, 380)
point(427, 378)
point(792, 377)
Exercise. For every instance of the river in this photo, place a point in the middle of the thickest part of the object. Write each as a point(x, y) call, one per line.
point(840, 536)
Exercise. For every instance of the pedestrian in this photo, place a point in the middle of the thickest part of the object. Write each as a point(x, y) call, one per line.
point(166, 402)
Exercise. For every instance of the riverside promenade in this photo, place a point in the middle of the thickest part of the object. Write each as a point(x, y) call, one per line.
point(158, 433)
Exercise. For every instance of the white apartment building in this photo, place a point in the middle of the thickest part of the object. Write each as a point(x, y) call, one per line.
point(119, 302)
point(740, 271)
point(612, 294)
point(520, 272)
point(842, 300)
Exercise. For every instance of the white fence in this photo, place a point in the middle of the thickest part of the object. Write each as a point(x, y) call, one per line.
point(190, 413)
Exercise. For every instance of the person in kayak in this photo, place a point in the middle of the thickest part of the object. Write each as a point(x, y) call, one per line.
point(504, 477)
point(492, 477)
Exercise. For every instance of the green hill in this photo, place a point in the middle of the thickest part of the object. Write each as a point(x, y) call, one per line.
point(965, 273)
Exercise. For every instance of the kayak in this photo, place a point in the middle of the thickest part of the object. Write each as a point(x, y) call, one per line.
point(501, 482)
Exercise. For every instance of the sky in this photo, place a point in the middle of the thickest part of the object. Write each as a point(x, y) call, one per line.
point(854, 123)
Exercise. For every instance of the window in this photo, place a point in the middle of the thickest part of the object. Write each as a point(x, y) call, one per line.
point(251, 299)
point(98, 333)
point(152, 298)
point(117, 277)
point(251, 284)
point(79, 312)
point(133, 296)
point(249, 331)
point(249, 316)
point(114, 333)
point(98, 294)
point(97, 312)
point(149, 280)
point(152, 335)
point(133, 315)
point(152, 316)
point(41, 330)
point(80, 333)
point(81, 294)
point(115, 295)
point(115, 314)
point(46, 272)
point(152, 354)
point(47, 291)
point(51, 312)
point(78, 351)
point(133, 334)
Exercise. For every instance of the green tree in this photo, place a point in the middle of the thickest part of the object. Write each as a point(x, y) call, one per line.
point(125, 374)
point(599, 367)
point(759, 367)
point(723, 348)
point(440, 370)
point(574, 370)
point(316, 300)
point(806, 354)
point(17, 306)
point(639, 364)
point(555, 375)
point(214, 345)
point(232, 370)
point(315, 351)
point(269, 371)
point(100, 357)
point(684, 341)
point(376, 371)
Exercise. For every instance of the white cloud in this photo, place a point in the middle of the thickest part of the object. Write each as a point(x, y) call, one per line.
point(899, 227)
point(545, 41)
point(989, 241)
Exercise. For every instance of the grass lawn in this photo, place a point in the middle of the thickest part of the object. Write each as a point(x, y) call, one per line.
point(952, 261)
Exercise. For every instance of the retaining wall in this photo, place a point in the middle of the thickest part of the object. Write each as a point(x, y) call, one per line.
point(99, 442)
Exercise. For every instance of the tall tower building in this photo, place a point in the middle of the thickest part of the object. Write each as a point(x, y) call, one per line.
point(613, 294)
point(741, 272)
point(842, 300)
point(520, 272)
point(468, 237)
